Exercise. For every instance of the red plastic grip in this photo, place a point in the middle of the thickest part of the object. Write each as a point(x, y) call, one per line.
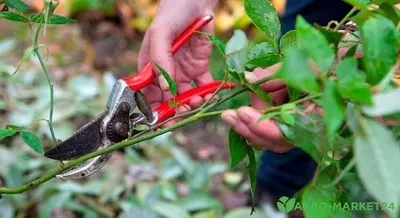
point(146, 75)
point(165, 111)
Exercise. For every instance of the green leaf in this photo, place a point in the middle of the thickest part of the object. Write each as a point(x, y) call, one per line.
point(360, 4)
point(288, 118)
point(384, 104)
point(389, 11)
point(18, 5)
point(169, 210)
point(199, 201)
point(237, 148)
point(352, 83)
point(315, 44)
point(252, 172)
point(294, 93)
point(216, 42)
point(263, 54)
point(333, 109)
point(55, 201)
point(54, 19)
point(268, 116)
point(351, 52)
point(33, 141)
point(14, 127)
point(6, 133)
point(331, 36)
point(183, 159)
point(379, 48)
point(288, 107)
point(170, 81)
point(377, 154)
point(296, 71)
point(264, 16)
point(320, 194)
point(25, 57)
point(288, 40)
point(236, 52)
point(13, 16)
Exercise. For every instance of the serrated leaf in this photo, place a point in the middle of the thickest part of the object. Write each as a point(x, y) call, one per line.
point(288, 40)
point(54, 19)
point(6, 133)
point(18, 5)
point(383, 104)
point(13, 16)
point(264, 16)
point(216, 42)
point(296, 71)
point(377, 153)
point(252, 172)
point(352, 83)
point(263, 54)
point(170, 81)
point(237, 148)
point(236, 52)
point(33, 141)
point(25, 57)
point(315, 44)
point(379, 48)
point(333, 109)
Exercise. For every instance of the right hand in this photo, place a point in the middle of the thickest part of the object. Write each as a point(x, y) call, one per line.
point(191, 62)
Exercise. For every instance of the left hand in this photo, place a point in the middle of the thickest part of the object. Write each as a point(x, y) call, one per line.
point(266, 134)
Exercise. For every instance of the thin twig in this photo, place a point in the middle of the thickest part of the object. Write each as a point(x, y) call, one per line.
point(49, 81)
point(345, 19)
point(348, 167)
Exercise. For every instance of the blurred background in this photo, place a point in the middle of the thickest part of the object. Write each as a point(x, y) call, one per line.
point(181, 174)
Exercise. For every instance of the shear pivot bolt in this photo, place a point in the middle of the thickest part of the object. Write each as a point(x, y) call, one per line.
point(120, 129)
point(125, 107)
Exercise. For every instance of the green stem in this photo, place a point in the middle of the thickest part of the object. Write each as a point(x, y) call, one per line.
point(345, 19)
point(344, 172)
point(139, 139)
point(114, 147)
point(51, 86)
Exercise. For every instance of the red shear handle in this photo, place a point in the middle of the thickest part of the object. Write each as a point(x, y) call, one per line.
point(165, 111)
point(146, 75)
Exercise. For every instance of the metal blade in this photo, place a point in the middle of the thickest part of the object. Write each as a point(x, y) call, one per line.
point(84, 141)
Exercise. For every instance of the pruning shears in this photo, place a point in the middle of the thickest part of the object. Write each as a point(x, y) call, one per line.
point(127, 109)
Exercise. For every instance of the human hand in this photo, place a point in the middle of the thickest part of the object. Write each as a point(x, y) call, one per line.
point(265, 134)
point(191, 62)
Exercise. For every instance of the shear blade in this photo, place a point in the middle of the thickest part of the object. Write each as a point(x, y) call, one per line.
point(84, 141)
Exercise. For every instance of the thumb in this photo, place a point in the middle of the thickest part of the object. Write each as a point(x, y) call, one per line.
point(161, 40)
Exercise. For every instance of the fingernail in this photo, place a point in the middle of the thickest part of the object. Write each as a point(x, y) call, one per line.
point(163, 83)
point(230, 119)
point(251, 77)
point(244, 116)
